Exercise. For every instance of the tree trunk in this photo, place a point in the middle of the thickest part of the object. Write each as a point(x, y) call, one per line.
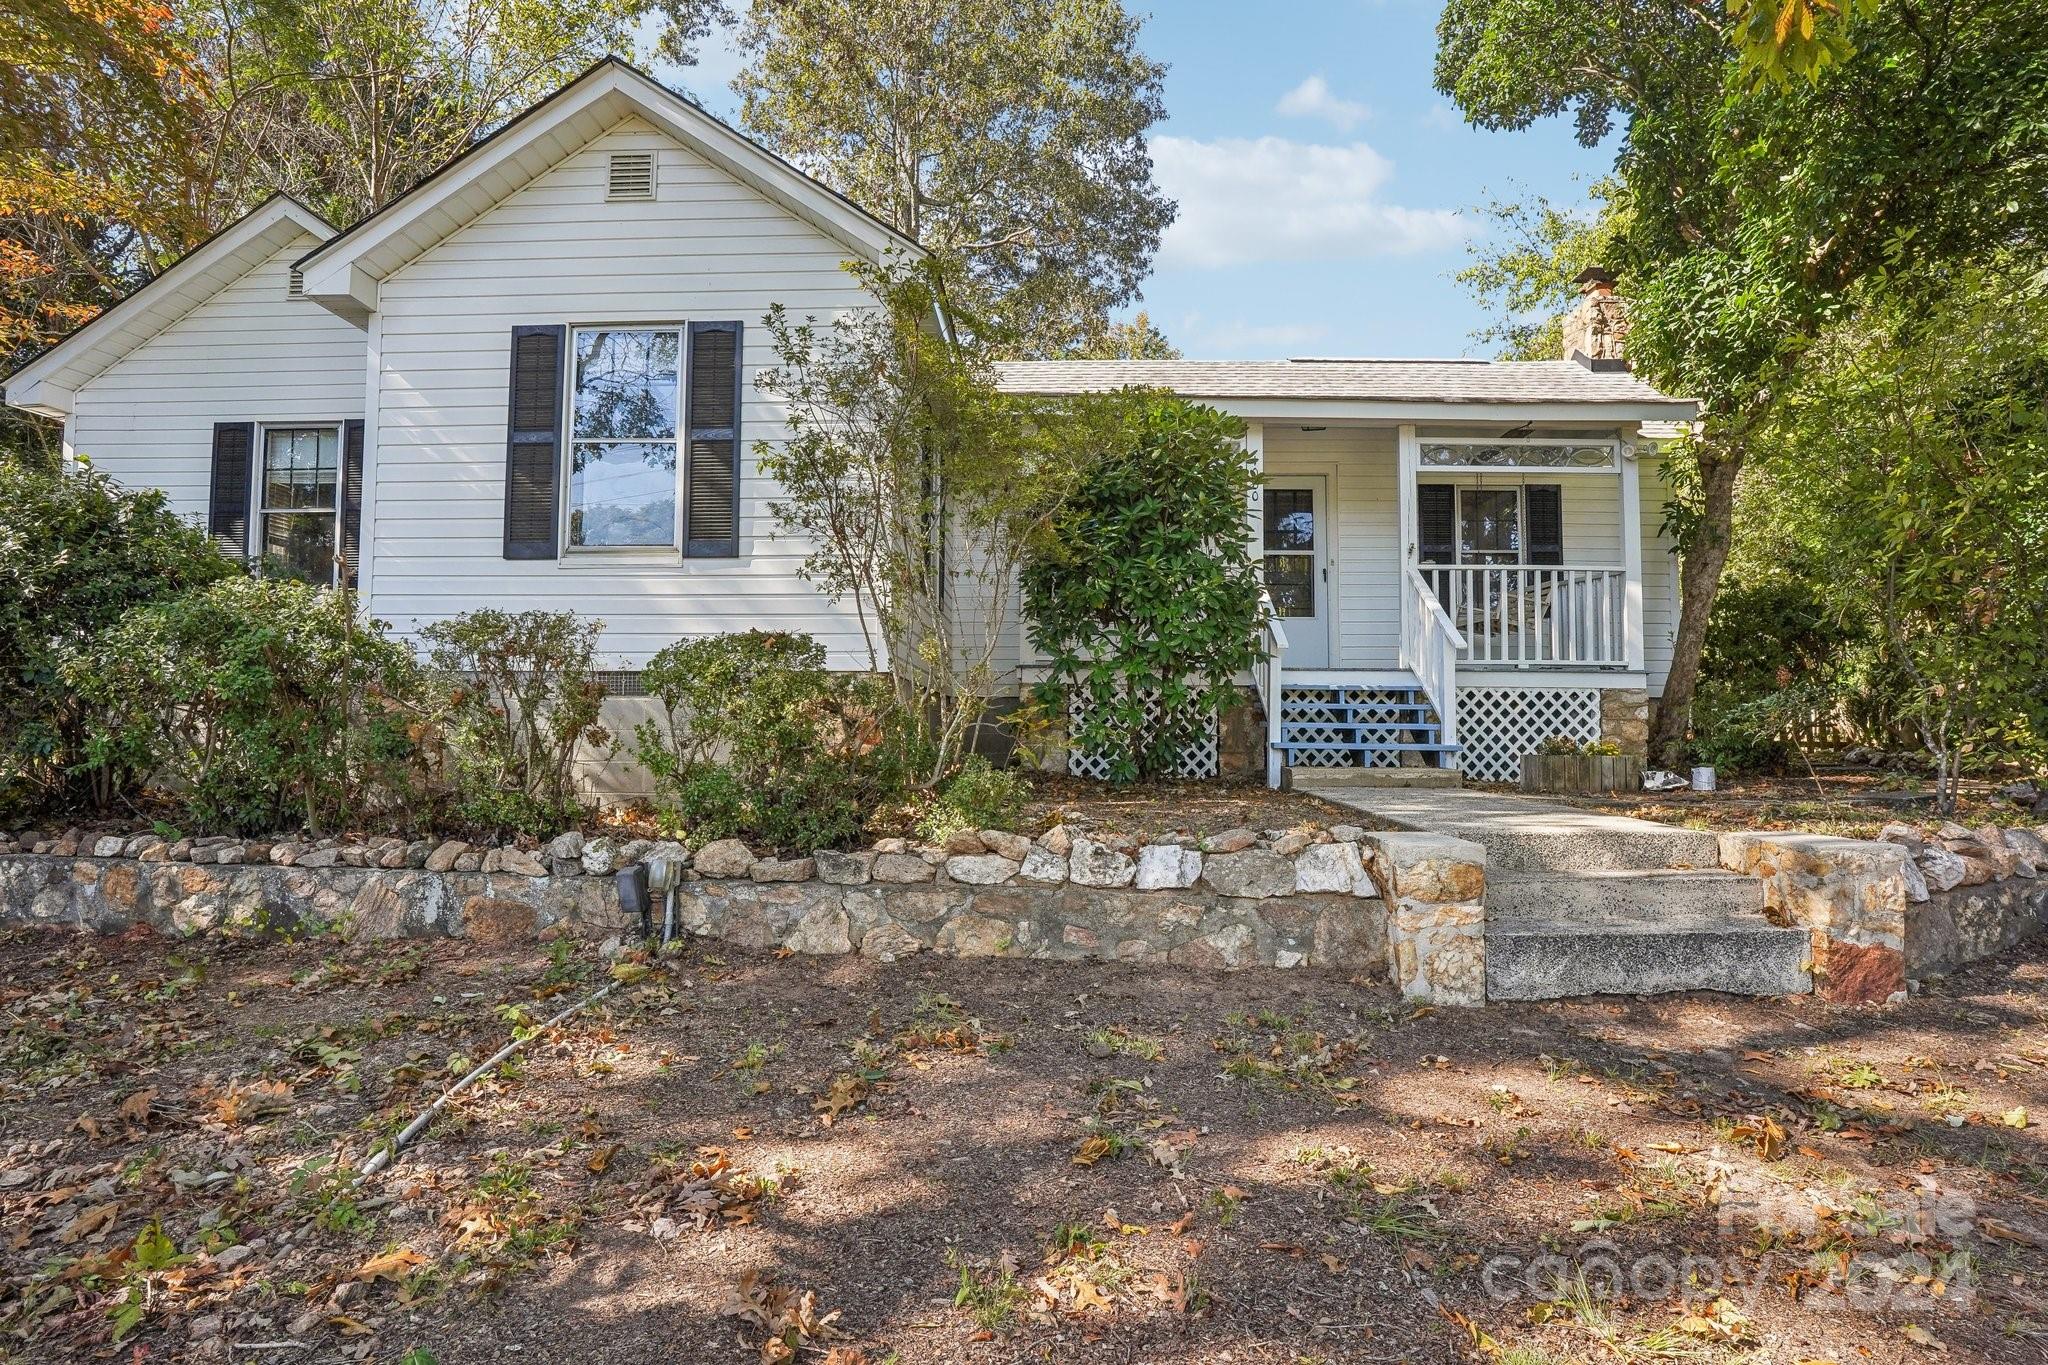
point(1700, 568)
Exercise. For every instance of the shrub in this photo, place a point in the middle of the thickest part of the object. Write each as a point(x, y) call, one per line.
point(759, 739)
point(1147, 587)
point(518, 700)
point(979, 796)
point(259, 702)
point(76, 551)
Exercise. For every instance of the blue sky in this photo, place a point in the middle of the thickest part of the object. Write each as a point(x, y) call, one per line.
point(1326, 189)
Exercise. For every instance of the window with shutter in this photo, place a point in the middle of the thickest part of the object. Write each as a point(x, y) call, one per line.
point(1436, 514)
point(1543, 508)
point(533, 441)
point(227, 519)
point(351, 502)
point(711, 502)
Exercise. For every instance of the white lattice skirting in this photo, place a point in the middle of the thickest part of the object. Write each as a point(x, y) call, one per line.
point(1200, 746)
point(1497, 725)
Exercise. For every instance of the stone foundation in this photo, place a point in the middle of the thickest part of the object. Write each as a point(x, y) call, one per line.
point(1625, 719)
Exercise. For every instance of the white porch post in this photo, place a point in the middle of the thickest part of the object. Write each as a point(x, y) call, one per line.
point(1409, 469)
point(1632, 557)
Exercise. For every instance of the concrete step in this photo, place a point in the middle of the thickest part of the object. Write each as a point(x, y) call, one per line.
point(1599, 895)
point(1532, 956)
point(1563, 846)
point(1308, 779)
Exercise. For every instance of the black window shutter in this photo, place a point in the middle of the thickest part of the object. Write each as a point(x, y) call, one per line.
point(351, 502)
point(227, 515)
point(1436, 515)
point(1545, 503)
point(533, 446)
point(711, 493)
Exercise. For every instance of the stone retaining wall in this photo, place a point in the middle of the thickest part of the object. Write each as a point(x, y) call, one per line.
point(1908, 906)
point(1283, 899)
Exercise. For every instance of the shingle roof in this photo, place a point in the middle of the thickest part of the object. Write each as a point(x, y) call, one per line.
point(1388, 381)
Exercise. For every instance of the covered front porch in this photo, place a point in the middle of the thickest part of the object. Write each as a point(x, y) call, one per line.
point(1442, 593)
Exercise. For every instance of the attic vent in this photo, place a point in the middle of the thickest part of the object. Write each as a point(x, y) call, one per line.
point(632, 176)
point(295, 284)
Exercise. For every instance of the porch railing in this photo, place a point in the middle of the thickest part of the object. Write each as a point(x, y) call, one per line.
point(1430, 648)
point(1266, 678)
point(1534, 616)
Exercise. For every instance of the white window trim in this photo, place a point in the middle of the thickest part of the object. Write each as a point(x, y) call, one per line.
point(1521, 492)
point(673, 551)
point(1425, 470)
point(259, 482)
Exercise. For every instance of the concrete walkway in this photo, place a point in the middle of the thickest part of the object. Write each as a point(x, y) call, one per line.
point(1528, 833)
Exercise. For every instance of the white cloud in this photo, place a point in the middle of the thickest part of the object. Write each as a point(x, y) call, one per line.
point(1312, 99)
point(1237, 339)
point(1270, 199)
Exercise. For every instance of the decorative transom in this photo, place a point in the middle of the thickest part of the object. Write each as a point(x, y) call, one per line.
point(1314, 715)
point(1200, 748)
point(1497, 725)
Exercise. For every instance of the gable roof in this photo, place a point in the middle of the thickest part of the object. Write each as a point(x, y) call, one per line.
point(344, 272)
point(1518, 383)
point(46, 384)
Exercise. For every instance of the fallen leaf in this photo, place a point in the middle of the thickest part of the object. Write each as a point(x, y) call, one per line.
point(1332, 1264)
point(1092, 1151)
point(87, 1223)
point(135, 1109)
point(1920, 1336)
point(2015, 1117)
point(602, 1158)
point(392, 1265)
point(351, 1327)
point(1088, 1298)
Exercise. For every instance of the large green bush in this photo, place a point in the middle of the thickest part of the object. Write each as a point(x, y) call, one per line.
point(1148, 587)
point(76, 551)
point(518, 702)
point(760, 740)
point(257, 703)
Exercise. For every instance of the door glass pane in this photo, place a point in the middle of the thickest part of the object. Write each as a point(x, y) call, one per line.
point(1490, 526)
point(622, 493)
point(1290, 519)
point(1290, 542)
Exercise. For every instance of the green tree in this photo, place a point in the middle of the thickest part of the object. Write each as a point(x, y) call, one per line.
point(1008, 133)
point(1749, 213)
point(1921, 435)
point(917, 487)
point(1523, 270)
point(76, 551)
point(349, 105)
point(1137, 339)
point(1146, 593)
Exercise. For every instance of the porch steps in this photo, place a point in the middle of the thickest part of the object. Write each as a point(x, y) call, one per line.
point(1332, 725)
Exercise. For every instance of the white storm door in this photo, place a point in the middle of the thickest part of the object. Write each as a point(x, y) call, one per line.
point(1298, 566)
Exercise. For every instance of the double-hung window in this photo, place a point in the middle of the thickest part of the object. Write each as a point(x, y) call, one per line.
point(299, 500)
point(625, 401)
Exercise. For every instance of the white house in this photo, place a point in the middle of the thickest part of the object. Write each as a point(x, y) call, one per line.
point(529, 382)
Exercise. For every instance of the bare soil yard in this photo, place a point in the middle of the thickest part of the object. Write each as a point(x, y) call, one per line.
point(992, 1161)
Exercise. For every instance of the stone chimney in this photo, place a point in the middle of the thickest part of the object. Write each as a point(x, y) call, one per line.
point(1595, 330)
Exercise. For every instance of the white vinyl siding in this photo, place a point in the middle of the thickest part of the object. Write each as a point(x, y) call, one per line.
point(250, 353)
point(705, 248)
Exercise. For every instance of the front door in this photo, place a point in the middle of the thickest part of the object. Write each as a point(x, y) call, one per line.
point(1297, 566)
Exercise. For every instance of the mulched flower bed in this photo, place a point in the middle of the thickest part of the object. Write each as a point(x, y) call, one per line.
point(974, 1161)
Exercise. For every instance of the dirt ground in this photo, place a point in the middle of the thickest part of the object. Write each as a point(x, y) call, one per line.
point(994, 1161)
point(1149, 810)
point(1852, 802)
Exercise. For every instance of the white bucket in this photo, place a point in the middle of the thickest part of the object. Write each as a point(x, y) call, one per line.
point(1703, 779)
